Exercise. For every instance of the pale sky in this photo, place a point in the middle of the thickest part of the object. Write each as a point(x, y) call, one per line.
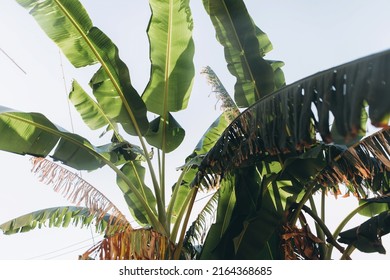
point(309, 36)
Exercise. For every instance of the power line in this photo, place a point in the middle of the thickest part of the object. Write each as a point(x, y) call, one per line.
point(66, 91)
point(69, 252)
point(13, 61)
point(64, 248)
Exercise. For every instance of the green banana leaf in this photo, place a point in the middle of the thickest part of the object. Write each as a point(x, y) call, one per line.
point(367, 236)
point(260, 213)
point(34, 134)
point(171, 55)
point(120, 102)
point(94, 117)
point(172, 70)
point(375, 206)
point(244, 45)
point(135, 172)
point(55, 217)
point(165, 135)
point(69, 26)
point(226, 205)
point(211, 135)
point(90, 111)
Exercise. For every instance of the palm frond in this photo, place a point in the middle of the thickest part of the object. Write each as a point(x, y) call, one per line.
point(138, 244)
point(78, 191)
point(292, 118)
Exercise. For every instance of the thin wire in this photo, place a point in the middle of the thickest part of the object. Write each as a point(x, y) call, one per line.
point(13, 61)
point(68, 252)
point(64, 248)
point(93, 238)
point(66, 91)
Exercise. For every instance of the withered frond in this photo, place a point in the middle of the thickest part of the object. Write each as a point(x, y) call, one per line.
point(80, 192)
point(138, 244)
point(300, 243)
point(365, 164)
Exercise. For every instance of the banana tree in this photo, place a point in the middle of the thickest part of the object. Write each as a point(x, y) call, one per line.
point(260, 193)
point(115, 107)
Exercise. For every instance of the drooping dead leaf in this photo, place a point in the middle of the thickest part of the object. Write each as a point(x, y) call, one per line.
point(138, 244)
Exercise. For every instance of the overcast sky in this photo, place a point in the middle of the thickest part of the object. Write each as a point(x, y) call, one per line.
point(309, 36)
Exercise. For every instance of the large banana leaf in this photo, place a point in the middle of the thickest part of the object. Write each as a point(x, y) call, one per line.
point(69, 26)
point(263, 196)
point(34, 134)
point(118, 99)
point(56, 217)
point(244, 45)
point(171, 55)
point(287, 120)
point(172, 70)
point(212, 135)
point(242, 214)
